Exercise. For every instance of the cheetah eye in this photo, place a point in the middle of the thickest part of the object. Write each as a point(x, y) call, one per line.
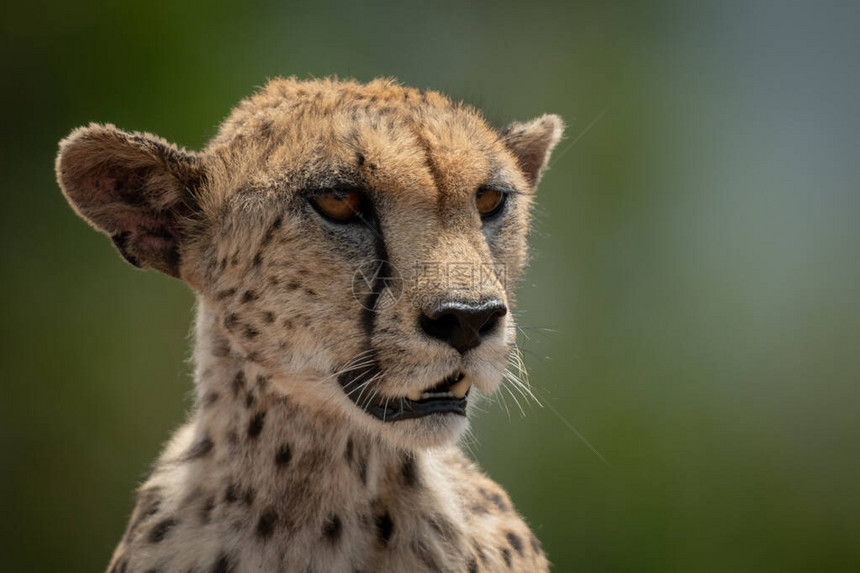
point(339, 206)
point(489, 202)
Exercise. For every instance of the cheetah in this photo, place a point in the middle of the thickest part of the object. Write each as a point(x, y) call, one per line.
point(353, 249)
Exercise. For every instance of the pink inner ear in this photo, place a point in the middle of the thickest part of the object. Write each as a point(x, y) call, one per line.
point(149, 242)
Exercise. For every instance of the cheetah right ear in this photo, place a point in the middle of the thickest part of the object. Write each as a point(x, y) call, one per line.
point(532, 143)
point(136, 188)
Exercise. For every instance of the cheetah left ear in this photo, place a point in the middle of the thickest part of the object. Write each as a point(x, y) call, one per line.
point(136, 188)
point(532, 143)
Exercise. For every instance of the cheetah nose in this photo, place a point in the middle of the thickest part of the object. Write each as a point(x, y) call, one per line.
point(463, 325)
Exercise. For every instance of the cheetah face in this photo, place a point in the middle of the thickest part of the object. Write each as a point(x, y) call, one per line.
point(357, 243)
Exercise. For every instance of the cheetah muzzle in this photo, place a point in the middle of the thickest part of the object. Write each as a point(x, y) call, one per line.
point(324, 433)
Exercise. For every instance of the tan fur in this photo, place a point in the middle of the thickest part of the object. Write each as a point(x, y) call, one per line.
point(277, 469)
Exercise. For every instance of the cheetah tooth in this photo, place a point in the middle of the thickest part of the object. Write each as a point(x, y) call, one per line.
point(460, 388)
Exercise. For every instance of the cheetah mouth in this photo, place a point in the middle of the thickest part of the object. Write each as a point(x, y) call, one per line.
point(449, 396)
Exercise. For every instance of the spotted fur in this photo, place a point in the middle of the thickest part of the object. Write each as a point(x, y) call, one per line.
point(277, 469)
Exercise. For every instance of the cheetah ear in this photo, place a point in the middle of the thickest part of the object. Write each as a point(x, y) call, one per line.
point(532, 143)
point(136, 188)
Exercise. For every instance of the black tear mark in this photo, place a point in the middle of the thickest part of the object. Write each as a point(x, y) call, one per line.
point(368, 317)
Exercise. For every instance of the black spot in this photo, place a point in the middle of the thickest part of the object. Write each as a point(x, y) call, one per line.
point(360, 158)
point(202, 447)
point(255, 426)
point(266, 523)
point(160, 530)
point(270, 232)
point(224, 564)
point(332, 528)
point(262, 381)
point(238, 382)
point(506, 555)
point(407, 470)
point(206, 510)
point(209, 399)
point(231, 494)
point(473, 565)
point(268, 317)
point(251, 332)
point(362, 469)
point(284, 455)
point(248, 496)
point(231, 320)
point(249, 400)
point(384, 527)
point(292, 285)
point(496, 498)
point(225, 293)
point(258, 259)
point(248, 296)
point(515, 543)
point(349, 450)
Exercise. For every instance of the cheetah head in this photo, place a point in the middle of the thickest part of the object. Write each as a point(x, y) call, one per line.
point(358, 243)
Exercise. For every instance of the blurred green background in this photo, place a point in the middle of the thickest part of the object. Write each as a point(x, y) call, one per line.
point(691, 310)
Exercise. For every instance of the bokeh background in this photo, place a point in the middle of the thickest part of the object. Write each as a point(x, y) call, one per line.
point(691, 317)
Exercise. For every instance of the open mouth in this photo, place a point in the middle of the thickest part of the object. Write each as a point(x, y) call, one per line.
point(450, 396)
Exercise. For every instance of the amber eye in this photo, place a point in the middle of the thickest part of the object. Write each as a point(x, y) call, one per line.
point(340, 206)
point(489, 202)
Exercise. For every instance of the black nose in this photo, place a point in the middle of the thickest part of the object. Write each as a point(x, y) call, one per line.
point(463, 325)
